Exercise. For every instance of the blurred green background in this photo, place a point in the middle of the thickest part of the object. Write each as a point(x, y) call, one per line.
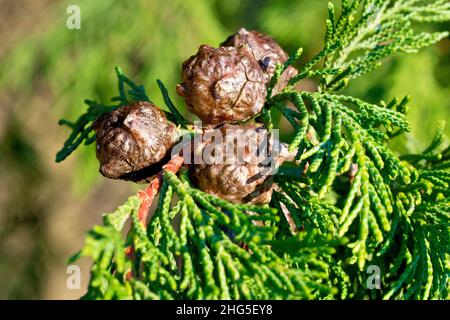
point(46, 70)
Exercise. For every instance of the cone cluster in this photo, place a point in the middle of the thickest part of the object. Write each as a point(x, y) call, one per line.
point(224, 87)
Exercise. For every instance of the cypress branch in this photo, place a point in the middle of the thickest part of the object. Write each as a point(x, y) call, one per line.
point(346, 202)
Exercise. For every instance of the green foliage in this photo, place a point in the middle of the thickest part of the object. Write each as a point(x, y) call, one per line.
point(366, 32)
point(348, 201)
point(206, 258)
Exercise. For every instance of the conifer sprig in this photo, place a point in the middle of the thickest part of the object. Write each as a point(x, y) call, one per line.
point(384, 199)
point(207, 257)
point(365, 32)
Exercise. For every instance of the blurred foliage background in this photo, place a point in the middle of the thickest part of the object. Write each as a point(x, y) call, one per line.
point(47, 70)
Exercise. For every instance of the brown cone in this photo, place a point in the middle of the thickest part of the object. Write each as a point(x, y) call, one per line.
point(131, 139)
point(266, 51)
point(223, 85)
point(238, 182)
